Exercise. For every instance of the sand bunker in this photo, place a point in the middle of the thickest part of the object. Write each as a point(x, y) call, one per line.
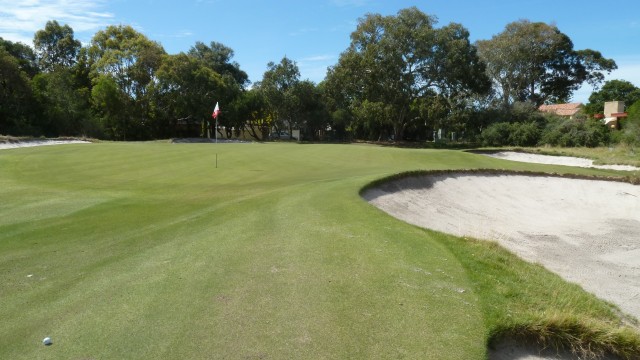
point(584, 230)
point(31, 143)
point(555, 160)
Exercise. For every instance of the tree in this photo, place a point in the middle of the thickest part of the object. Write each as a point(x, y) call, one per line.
point(65, 107)
point(56, 46)
point(131, 60)
point(251, 110)
point(397, 60)
point(536, 62)
point(218, 57)
point(634, 111)
point(24, 54)
point(15, 97)
point(184, 91)
point(613, 90)
point(278, 87)
point(312, 115)
point(109, 107)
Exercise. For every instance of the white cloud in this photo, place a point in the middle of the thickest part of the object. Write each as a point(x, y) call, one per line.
point(20, 20)
point(318, 58)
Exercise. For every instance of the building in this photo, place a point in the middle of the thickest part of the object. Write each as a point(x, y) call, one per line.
point(564, 110)
point(613, 112)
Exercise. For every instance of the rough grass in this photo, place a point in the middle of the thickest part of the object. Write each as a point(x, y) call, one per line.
point(614, 155)
point(523, 301)
point(146, 251)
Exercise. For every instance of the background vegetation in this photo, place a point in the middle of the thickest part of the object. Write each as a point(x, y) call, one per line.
point(402, 78)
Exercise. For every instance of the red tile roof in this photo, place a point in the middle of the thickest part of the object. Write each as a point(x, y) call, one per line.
point(561, 109)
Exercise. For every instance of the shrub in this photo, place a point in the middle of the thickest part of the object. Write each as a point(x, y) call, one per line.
point(496, 134)
point(629, 134)
point(567, 133)
point(515, 134)
point(524, 134)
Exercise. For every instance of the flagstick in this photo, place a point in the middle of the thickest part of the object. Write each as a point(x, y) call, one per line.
point(216, 131)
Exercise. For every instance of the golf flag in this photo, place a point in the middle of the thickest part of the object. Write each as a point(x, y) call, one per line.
point(216, 111)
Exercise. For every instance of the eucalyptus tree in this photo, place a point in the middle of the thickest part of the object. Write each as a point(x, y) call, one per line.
point(395, 62)
point(278, 87)
point(185, 91)
point(64, 106)
point(218, 57)
point(131, 60)
point(311, 114)
point(55, 46)
point(24, 54)
point(15, 96)
point(536, 62)
point(61, 88)
point(252, 110)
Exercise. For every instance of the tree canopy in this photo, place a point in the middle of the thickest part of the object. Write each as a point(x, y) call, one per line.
point(536, 62)
point(402, 77)
point(56, 46)
point(396, 63)
point(613, 90)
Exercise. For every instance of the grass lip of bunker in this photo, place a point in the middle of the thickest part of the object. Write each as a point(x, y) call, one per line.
point(579, 227)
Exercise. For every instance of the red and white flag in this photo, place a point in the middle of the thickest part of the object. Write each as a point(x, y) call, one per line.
point(216, 111)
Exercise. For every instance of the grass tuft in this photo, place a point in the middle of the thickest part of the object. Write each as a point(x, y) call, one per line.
point(527, 303)
point(587, 340)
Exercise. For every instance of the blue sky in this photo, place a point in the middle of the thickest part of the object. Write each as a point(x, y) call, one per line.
point(314, 32)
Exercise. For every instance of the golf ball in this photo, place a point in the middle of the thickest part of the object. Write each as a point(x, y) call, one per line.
point(47, 341)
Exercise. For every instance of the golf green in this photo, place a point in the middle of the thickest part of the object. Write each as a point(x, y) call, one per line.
point(150, 251)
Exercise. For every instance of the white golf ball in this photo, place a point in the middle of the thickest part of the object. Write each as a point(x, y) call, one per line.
point(47, 341)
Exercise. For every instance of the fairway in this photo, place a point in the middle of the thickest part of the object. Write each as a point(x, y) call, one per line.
point(150, 251)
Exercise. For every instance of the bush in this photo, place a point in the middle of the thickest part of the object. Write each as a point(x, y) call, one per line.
point(496, 134)
point(516, 134)
point(524, 134)
point(629, 134)
point(568, 133)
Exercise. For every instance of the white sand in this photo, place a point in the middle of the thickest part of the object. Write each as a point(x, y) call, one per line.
point(587, 231)
point(31, 143)
point(556, 160)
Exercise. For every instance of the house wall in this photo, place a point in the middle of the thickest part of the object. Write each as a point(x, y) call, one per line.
point(613, 107)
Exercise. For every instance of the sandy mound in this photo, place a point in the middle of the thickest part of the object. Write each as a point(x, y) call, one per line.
point(584, 230)
point(555, 160)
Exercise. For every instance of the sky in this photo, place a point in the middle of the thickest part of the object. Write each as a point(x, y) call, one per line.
point(313, 33)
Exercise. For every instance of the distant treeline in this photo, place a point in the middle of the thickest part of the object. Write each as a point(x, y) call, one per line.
point(401, 78)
